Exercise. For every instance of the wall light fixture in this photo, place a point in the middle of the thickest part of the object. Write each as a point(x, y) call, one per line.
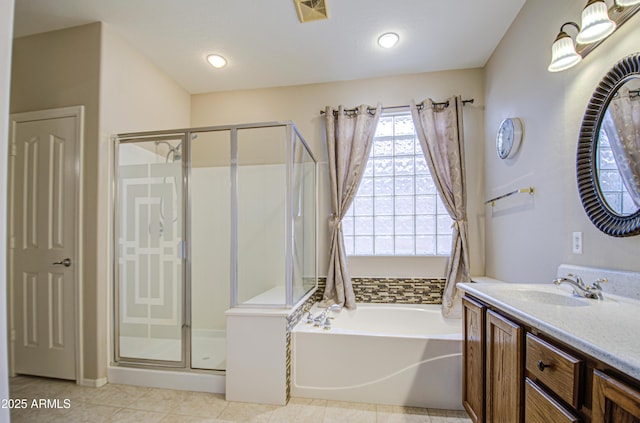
point(563, 51)
point(598, 23)
point(627, 3)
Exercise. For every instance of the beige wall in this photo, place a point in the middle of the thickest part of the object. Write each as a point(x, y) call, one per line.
point(302, 104)
point(6, 32)
point(527, 238)
point(85, 66)
point(59, 69)
point(134, 96)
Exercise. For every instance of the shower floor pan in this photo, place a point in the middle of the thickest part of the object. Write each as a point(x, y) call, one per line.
point(208, 350)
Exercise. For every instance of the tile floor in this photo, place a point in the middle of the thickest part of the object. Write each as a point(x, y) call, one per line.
point(122, 403)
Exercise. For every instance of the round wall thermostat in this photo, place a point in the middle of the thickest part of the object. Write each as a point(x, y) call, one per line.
point(509, 137)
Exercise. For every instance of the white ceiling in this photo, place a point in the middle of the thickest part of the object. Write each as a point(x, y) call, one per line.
point(267, 46)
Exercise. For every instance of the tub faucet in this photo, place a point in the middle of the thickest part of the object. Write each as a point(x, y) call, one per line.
point(323, 317)
point(580, 289)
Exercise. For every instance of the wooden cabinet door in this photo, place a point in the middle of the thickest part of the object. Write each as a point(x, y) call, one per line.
point(614, 401)
point(504, 372)
point(473, 359)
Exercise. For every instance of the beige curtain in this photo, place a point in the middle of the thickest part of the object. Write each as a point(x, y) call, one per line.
point(622, 125)
point(349, 138)
point(440, 131)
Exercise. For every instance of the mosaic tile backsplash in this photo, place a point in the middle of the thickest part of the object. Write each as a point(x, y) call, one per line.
point(398, 290)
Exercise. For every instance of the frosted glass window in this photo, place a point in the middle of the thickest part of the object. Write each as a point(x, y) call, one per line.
point(405, 205)
point(610, 180)
point(405, 146)
point(366, 186)
point(397, 210)
point(363, 206)
point(383, 166)
point(384, 245)
point(404, 166)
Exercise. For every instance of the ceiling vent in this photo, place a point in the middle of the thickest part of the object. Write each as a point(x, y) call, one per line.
point(311, 10)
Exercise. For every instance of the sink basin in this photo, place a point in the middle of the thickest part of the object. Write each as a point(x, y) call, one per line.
point(551, 298)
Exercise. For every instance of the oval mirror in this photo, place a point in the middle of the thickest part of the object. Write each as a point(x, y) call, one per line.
point(608, 158)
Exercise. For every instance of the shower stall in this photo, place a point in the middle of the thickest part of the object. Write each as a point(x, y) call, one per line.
point(208, 219)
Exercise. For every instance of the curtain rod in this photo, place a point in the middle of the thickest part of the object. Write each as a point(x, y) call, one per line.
point(420, 106)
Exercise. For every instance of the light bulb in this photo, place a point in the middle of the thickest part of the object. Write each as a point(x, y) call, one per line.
point(217, 61)
point(388, 40)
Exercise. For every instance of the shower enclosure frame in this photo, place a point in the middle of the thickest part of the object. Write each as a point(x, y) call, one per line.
point(186, 136)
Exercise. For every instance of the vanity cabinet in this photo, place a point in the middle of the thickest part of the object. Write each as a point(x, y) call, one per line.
point(473, 364)
point(614, 401)
point(551, 373)
point(515, 373)
point(492, 365)
point(504, 369)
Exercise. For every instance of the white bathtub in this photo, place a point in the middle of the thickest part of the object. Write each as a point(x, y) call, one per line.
point(381, 353)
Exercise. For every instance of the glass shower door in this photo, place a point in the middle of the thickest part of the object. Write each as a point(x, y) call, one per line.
point(151, 253)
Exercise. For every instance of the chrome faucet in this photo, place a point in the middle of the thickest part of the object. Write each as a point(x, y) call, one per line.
point(322, 319)
point(597, 287)
point(580, 289)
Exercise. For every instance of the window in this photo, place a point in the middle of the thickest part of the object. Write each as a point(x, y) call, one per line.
point(397, 210)
point(610, 179)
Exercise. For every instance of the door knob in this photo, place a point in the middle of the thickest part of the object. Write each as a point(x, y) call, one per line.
point(66, 262)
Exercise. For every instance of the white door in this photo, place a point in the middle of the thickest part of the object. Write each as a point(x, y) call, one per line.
point(42, 246)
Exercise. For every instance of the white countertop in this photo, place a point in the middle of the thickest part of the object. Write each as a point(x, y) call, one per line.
point(607, 330)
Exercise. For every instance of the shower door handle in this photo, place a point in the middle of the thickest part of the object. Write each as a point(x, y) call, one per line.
point(66, 262)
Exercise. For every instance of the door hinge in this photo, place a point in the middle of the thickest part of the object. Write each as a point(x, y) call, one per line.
point(13, 150)
point(13, 335)
point(12, 242)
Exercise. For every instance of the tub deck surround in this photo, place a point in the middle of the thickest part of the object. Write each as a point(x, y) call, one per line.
point(606, 330)
point(396, 354)
point(264, 374)
point(387, 320)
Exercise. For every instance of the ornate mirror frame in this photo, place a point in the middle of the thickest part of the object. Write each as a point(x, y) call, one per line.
point(592, 199)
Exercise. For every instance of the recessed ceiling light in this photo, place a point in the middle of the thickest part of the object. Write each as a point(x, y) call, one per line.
point(388, 39)
point(217, 61)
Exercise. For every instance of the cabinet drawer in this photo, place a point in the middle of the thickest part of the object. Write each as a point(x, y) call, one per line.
point(554, 368)
point(541, 408)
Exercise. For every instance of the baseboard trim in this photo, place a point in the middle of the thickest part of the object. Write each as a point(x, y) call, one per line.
point(94, 383)
point(156, 378)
